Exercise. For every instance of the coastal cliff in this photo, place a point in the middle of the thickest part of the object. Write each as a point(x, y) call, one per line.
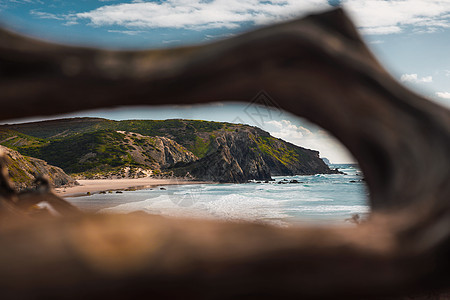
point(204, 150)
point(23, 170)
point(250, 153)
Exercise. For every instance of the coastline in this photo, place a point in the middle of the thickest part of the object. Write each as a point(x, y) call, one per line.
point(94, 186)
point(309, 199)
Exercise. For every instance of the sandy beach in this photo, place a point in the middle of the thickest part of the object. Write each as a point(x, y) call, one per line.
point(97, 185)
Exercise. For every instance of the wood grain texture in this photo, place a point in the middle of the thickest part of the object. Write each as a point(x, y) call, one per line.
point(317, 68)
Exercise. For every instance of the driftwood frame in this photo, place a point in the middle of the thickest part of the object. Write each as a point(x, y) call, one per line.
point(317, 68)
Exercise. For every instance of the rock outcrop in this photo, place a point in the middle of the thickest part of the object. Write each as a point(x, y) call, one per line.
point(157, 152)
point(219, 166)
point(23, 171)
point(250, 153)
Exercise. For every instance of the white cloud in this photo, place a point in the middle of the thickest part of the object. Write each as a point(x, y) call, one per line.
point(373, 17)
point(426, 30)
point(70, 23)
point(199, 14)
point(69, 19)
point(393, 16)
point(284, 129)
point(414, 78)
point(127, 32)
point(170, 41)
point(443, 95)
point(45, 15)
point(219, 36)
point(6, 3)
point(381, 30)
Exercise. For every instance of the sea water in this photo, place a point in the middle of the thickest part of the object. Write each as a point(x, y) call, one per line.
point(318, 199)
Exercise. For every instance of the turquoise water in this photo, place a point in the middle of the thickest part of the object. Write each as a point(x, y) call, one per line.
point(318, 198)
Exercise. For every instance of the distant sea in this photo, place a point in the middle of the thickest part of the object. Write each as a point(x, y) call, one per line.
point(315, 199)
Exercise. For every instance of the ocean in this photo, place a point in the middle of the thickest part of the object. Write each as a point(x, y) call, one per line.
point(317, 199)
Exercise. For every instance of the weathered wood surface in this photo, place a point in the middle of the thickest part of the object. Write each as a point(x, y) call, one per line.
point(317, 68)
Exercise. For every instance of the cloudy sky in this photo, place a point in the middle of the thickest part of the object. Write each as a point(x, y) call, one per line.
point(410, 37)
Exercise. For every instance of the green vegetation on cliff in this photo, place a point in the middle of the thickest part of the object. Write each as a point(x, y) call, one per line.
point(14, 139)
point(286, 153)
point(78, 153)
point(23, 170)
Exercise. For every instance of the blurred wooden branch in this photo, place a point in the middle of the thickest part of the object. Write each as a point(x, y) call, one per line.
point(317, 68)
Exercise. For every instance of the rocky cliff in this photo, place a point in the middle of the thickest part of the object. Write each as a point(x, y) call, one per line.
point(250, 153)
point(23, 170)
point(157, 152)
point(219, 166)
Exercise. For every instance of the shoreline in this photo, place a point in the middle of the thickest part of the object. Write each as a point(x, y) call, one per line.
point(95, 186)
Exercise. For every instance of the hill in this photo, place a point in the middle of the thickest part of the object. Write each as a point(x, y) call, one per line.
point(218, 151)
point(24, 170)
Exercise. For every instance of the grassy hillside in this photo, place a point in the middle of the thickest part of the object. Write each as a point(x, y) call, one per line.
point(101, 151)
point(193, 134)
point(60, 128)
point(14, 139)
point(82, 152)
point(286, 153)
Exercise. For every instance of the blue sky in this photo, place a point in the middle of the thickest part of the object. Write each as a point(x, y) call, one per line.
point(411, 38)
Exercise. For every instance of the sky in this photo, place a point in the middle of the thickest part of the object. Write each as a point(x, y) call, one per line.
point(411, 38)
